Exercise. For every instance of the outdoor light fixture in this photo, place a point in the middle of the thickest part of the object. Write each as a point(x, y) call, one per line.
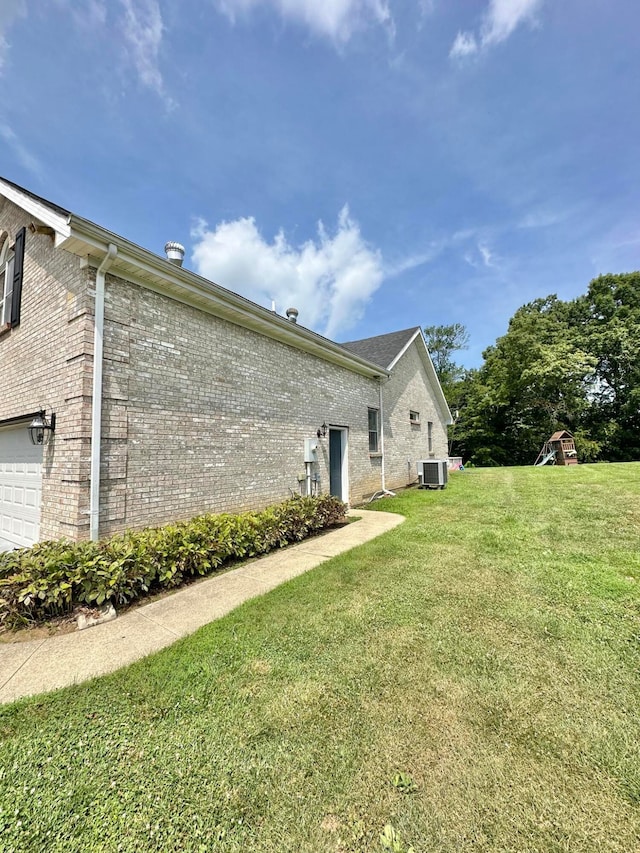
point(322, 432)
point(39, 425)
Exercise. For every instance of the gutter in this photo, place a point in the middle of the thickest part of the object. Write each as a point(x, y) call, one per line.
point(96, 394)
point(89, 240)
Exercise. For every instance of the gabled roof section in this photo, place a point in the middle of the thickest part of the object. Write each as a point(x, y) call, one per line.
point(44, 211)
point(91, 242)
point(55, 208)
point(560, 434)
point(387, 350)
point(383, 349)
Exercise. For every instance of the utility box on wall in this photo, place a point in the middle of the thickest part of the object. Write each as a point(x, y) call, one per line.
point(311, 450)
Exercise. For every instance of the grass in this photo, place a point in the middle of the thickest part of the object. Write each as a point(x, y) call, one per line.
point(470, 678)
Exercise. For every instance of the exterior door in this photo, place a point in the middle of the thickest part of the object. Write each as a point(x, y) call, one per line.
point(20, 488)
point(338, 476)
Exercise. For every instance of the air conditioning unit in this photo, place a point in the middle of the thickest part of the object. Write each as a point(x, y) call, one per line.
point(432, 473)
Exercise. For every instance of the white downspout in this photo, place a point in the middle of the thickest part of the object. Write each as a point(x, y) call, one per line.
point(96, 396)
point(381, 409)
point(384, 492)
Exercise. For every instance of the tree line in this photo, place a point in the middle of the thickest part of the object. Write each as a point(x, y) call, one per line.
point(561, 365)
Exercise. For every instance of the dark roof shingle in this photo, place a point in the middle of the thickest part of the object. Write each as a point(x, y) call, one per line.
point(382, 349)
point(55, 207)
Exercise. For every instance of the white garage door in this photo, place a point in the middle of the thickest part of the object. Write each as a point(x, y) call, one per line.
point(20, 488)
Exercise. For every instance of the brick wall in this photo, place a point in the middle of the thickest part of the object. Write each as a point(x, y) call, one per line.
point(203, 415)
point(46, 363)
point(409, 389)
point(198, 414)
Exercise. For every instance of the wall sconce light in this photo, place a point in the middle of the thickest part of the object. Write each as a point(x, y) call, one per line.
point(40, 425)
point(322, 432)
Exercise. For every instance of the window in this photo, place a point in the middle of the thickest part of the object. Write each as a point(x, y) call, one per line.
point(374, 431)
point(430, 436)
point(414, 417)
point(11, 263)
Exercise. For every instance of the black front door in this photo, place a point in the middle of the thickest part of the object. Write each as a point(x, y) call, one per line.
point(335, 462)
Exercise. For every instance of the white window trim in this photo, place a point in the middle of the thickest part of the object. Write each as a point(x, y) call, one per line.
point(375, 451)
point(7, 257)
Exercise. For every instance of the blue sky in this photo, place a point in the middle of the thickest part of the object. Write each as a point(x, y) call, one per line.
point(376, 163)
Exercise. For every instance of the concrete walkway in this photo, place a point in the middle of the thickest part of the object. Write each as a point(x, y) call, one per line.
point(38, 666)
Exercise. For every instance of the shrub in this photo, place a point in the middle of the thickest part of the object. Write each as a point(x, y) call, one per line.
point(51, 578)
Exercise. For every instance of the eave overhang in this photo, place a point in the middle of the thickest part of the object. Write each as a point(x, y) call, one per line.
point(57, 220)
point(133, 263)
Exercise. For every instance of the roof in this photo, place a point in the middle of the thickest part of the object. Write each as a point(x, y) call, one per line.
point(387, 350)
point(54, 207)
point(382, 349)
point(91, 242)
point(562, 433)
point(373, 357)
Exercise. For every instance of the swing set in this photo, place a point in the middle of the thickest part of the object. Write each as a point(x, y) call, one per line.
point(560, 449)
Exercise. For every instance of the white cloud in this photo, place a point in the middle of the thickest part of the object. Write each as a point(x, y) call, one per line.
point(336, 19)
point(465, 44)
point(543, 218)
point(140, 26)
point(411, 262)
point(486, 254)
point(28, 160)
point(425, 256)
point(329, 279)
point(9, 11)
point(142, 29)
point(503, 16)
point(500, 19)
point(480, 256)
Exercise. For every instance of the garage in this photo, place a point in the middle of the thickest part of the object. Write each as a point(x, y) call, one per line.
point(20, 488)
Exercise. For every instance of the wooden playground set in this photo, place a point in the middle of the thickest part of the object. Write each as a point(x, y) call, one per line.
point(560, 449)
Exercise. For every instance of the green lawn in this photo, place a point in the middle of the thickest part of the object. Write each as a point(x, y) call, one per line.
point(488, 649)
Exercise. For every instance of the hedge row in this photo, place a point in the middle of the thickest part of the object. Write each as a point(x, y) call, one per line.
point(51, 578)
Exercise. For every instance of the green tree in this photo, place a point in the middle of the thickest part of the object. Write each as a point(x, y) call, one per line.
point(534, 380)
point(572, 365)
point(442, 343)
point(610, 315)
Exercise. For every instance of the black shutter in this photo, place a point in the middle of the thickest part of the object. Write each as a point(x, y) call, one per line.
point(18, 265)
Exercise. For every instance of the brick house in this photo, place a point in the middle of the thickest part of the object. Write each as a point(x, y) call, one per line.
point(205, 401)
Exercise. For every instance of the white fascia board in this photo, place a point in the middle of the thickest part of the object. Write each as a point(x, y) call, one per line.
point(404, 349)
point(431, 371)
point(39, 211)
point(90, 241)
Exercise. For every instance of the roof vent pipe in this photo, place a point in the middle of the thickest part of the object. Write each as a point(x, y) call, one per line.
point(292, 314)
point(174, 252)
